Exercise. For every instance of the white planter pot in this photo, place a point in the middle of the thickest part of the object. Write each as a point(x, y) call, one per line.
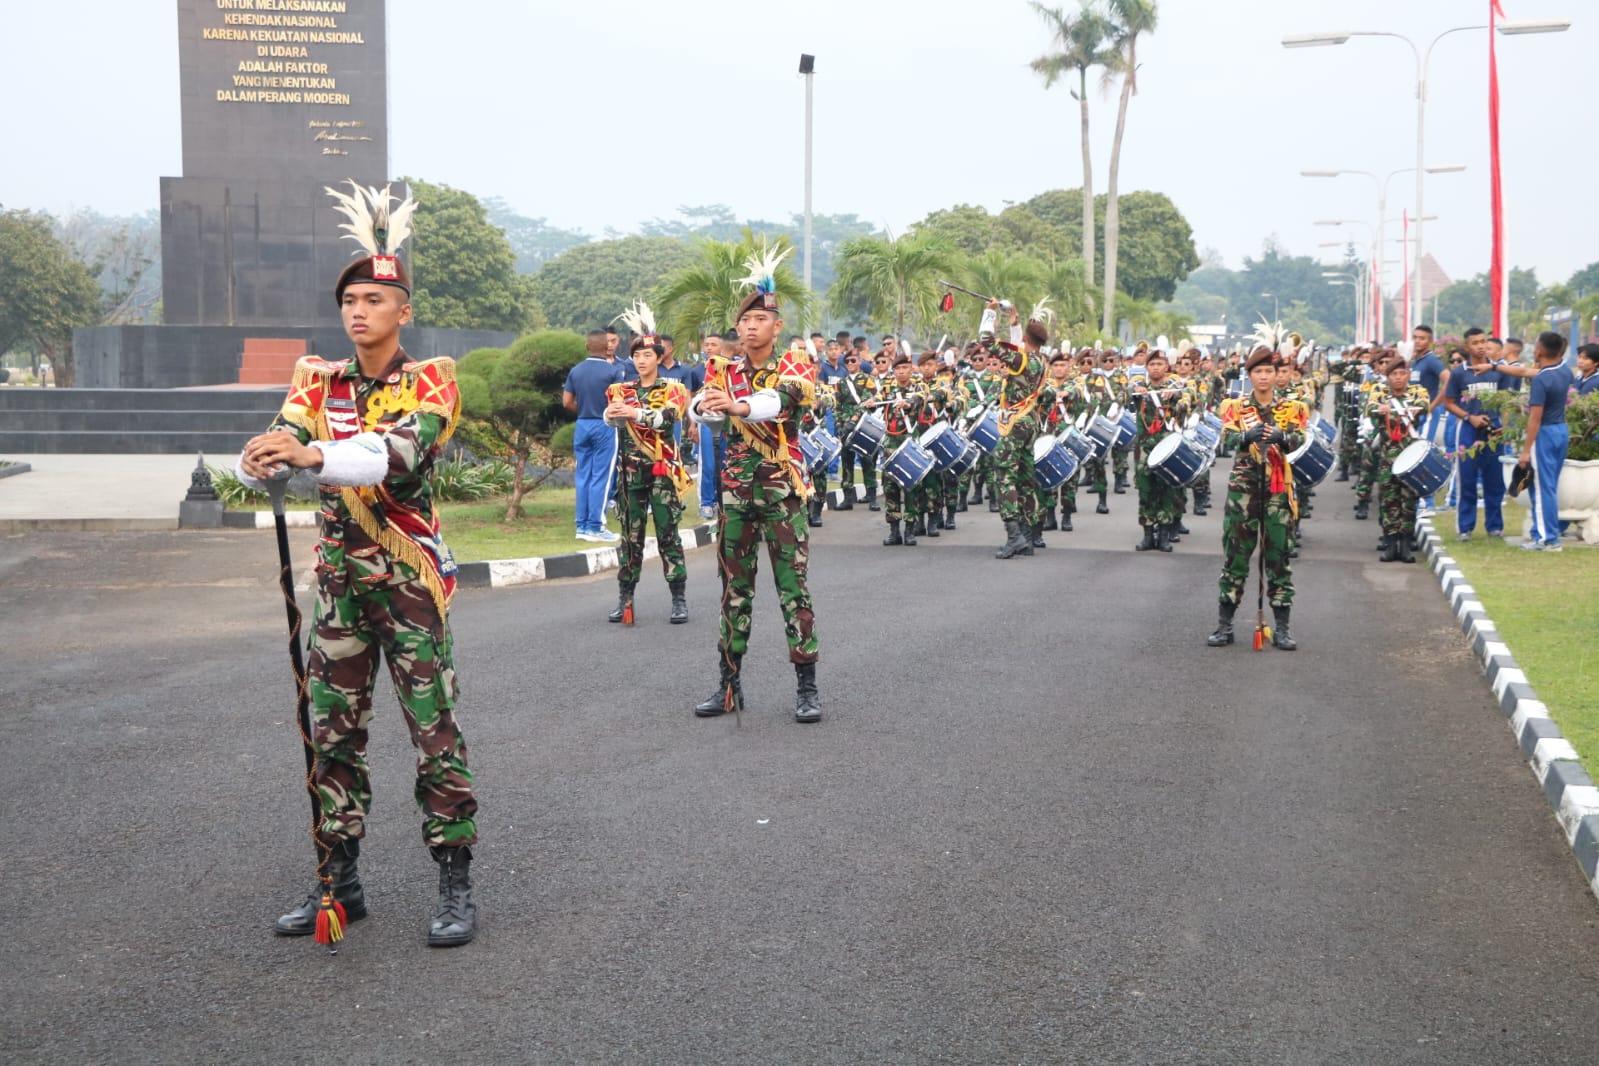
point(1577, 498)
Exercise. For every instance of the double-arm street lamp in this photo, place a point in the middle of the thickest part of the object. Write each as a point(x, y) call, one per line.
point(1505, 27)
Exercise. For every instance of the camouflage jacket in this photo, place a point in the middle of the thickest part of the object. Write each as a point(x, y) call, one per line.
point(902, 409)
point(649, 444)
point(763, 461)
point(1269, 461)
point(415, 407)
point(1395, 417)
point(853, 390)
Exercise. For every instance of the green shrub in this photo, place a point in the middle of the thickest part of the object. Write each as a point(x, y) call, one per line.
point(1582, 419)
point(233, 492)
point(561, 441)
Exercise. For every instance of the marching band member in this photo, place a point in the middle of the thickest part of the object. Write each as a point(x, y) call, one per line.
point(856, 388)
point(1018, 427)
point(1260, 497)
point(900, 401)
point(1375, 391)
point(954, 408)
point(1098, 394)
point(1161, 405)
point(761, 396)
point(1061, 401)
point(369, 429)
point(650, 475)
point(1200, 392)
point(1398, 415)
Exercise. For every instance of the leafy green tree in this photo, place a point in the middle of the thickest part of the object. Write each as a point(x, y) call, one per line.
point(589, 285)
point(703, 296)
point(525, 396)
point(1159, 244)
point(533, 241)
point(45, 293)
point(1005, 275)
point(124, 255)
point(1465, 303)
point(1080, 41)
point(1585, 282)
point(464, 275)
point(1131, 19)
point(895, 280)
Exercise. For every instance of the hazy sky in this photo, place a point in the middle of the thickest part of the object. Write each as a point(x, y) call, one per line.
point(919, 105)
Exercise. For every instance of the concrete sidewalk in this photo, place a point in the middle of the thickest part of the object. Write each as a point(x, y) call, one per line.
point(95, 492)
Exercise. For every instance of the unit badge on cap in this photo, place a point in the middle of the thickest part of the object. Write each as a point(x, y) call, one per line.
point(385, 268)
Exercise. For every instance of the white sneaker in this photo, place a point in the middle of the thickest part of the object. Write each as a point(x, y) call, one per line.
point(708, 513)
point(591, 537)
point(605, 536)
point(1532, 546)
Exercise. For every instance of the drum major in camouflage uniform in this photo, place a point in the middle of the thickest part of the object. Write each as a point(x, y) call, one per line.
point(1017, 400)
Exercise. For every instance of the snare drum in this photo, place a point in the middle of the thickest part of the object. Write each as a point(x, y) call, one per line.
point(1312, 460)
point(866, 439)
point(1079, 444)
point(970, 453)
point(944, 443)
point(909, 464)
point(819, 447)
point(1423, 467)
point(1177, 460)
point(1128, 425)
point(1202, 432)
point(1104, 432)
point(985, 432)
point(1053, 464)
point(1324, 427)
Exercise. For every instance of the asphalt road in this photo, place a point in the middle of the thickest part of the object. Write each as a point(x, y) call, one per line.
point(1041, 822)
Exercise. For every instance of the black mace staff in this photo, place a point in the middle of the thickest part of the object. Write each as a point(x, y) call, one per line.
point(331, 919)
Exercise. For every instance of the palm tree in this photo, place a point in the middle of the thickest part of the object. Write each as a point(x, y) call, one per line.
point(1132, 17)
point(1080, 41)
point(1013, 276)
point(893, 279)
point(704, 296)
point(1070, 294)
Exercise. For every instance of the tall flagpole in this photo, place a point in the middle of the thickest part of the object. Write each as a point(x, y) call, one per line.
point(1498, 279)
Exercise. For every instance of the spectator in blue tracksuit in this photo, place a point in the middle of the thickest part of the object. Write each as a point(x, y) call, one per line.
point(593, 442)
point(1476, 457)
point(1547, 439)
point(712, 445)
point(1427, 370)
point(1587, 379)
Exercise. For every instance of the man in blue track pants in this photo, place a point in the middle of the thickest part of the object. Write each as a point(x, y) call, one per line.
point(1547, 440)
point(593, 442)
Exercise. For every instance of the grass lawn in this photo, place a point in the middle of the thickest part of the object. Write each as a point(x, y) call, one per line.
point(477, 531)
point(1547, 609)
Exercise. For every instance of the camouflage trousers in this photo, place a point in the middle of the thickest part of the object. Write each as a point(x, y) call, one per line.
point(943, 489)
point(899, 502)
point(1013, 474)
point(846, 468)
point(1370, 463)
point(1241, 531)
point(1092, 476)
point(644, 498)
point(741, 528)
point(1159, 502)
point(1201, 487)
point(1119, 460)
point(351, 629)
point(1349, 446)
point(1396, 501)
point(1062, 496)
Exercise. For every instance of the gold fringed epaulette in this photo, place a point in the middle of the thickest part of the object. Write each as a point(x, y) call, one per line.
point(437, 392)
point(308, 389)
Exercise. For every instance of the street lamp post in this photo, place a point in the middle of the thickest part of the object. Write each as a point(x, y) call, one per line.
point(1382, 207)
point(1505, 27)
point(807, 68)
point(1276, 314)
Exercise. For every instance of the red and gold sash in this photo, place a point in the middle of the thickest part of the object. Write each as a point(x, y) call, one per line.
point(770, 439)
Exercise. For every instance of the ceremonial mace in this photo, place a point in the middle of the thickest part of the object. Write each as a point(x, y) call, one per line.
point(331, 919)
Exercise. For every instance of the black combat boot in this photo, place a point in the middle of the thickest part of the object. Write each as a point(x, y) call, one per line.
point(1201, 508)
point(1390, 550)
point(929, 524)
point(455, 918)
point(1121, 484)
point(849, 499)
point(1050, 524)
point(807, 701)
point(1281, 639)
point(1065, 521)
point(916, 527)
point(624, 604)
point(993, 502)
point(346, 885)
point(814, 519)
point(871, 501)
point(1405, 550)
point(1343, 473)
point(1224, 626)
point(1103, 508)
point(1148, 543)
point(1165, 537)
point(893, 537)
point(977, 492)
point(910, 533)
point(729, 694)
point(1015, 542)
point(679, 603)
point(960, 502)
point(1179, 528)
point(949, 516)
point(1362, 509)
point(1036, 536)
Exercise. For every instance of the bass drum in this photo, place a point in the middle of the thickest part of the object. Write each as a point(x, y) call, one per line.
point(1312, 460)
point(1423, 467)
point(866, 439)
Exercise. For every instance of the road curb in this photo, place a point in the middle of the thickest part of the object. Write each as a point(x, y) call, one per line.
point(503, 573)
point(1566, 785)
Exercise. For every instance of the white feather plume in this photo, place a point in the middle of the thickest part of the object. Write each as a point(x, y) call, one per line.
point(762, 266)
point(373, 221)
point(1268, 334)
point(1042, 312)
point(639, 319)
